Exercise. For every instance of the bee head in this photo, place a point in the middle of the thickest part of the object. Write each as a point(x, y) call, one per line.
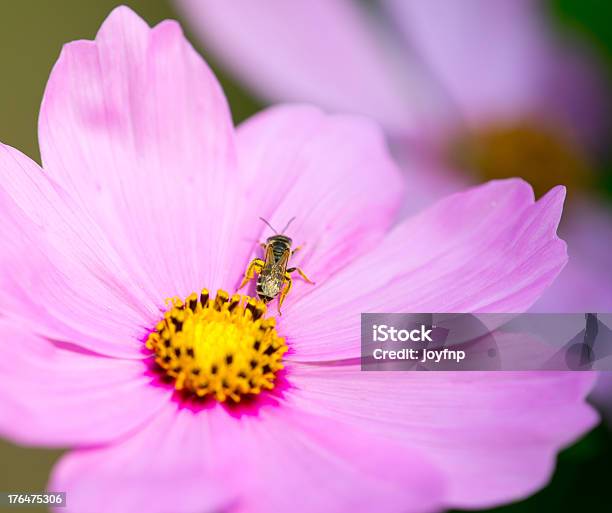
point(282, 239)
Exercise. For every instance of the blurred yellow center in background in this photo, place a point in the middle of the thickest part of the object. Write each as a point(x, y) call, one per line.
point(223, 347)
point(538, 152)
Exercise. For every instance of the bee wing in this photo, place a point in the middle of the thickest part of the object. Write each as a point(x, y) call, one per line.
point(283, 261)
point(276, 267)
point(269, 257)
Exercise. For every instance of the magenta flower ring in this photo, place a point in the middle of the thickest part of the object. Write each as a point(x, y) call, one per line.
point(147, 193)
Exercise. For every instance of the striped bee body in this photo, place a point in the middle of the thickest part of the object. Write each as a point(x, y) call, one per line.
point(273, 276)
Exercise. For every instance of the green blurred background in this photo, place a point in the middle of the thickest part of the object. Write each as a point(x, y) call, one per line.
point(31, 35)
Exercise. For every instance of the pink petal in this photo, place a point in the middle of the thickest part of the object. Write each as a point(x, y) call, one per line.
point(497, 42)
point(212, 461)
point(500, 60)
point(165, 466)
point(136, 127)
point(584, 284)
point(54, 395)
point(341, 467)
point(279, 52)
point(490, 248)
point(333, 173)
point(60, 272)
point(494, 436)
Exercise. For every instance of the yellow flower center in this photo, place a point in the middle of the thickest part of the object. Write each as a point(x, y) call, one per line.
point(223, 347)
point(539, 152)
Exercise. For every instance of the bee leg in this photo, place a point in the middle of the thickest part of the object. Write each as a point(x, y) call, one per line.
point(301, 273)
point(255, 266)
point(297, 249)
point(288, 284)
point(263, 245)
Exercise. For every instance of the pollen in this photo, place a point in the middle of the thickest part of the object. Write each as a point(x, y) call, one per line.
point(223, 347)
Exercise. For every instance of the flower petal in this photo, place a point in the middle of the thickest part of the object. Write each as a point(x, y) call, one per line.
point(490, 248)
point(333, 173)
point(279, 52)
point(212, 461)
point(515, 55)
point(59, 271)
point(494, 436)
point(584, 284)
point(136, 127)
point(52, 394)
point(341, 467)
point(165, 466)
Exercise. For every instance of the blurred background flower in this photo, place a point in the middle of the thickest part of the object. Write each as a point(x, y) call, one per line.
point(464, 89)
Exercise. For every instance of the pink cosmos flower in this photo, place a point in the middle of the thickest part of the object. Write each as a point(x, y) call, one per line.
point(436, 74)
point(148, 192)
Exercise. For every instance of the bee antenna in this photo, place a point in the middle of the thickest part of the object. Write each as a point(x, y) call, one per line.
point(288, 223)
point(269, 225)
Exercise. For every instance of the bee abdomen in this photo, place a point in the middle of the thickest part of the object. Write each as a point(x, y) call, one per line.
point(278, 250)
point(268, 287)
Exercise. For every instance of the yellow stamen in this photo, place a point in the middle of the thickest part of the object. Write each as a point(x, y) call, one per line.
point(222, 347)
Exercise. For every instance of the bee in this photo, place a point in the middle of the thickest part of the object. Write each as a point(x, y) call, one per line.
point(273, 276)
